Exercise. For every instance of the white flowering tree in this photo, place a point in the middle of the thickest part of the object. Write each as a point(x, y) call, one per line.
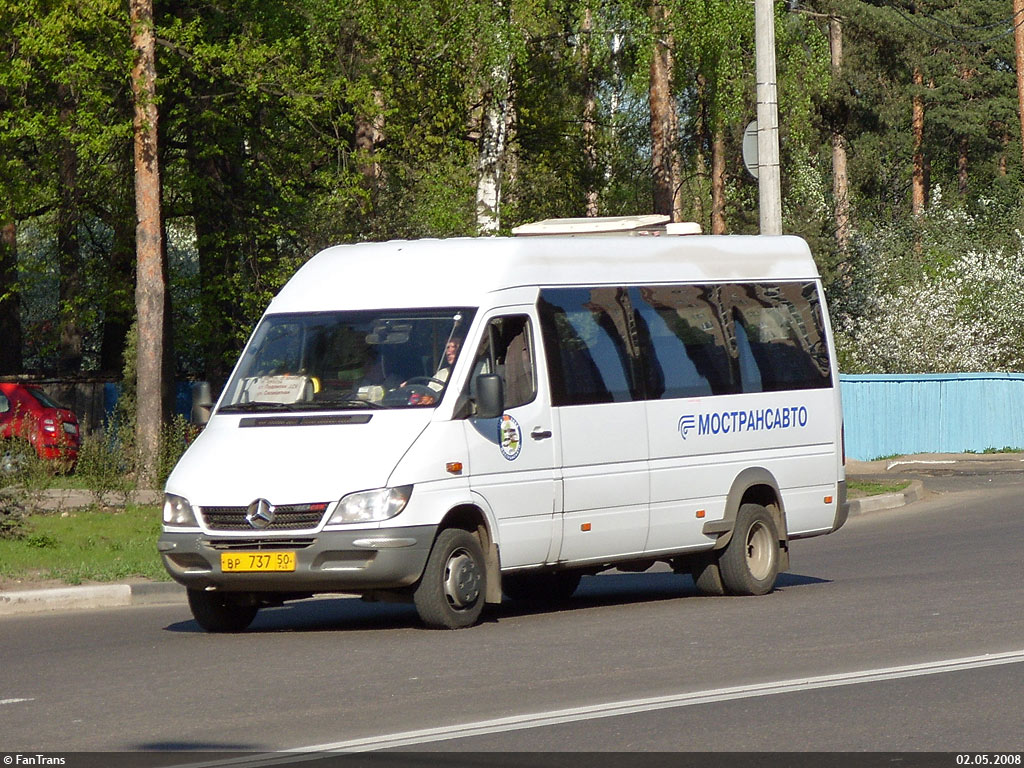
point(943, 295)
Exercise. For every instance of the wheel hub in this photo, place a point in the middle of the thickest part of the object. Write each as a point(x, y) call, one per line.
point(760, 551)
point(462, 580)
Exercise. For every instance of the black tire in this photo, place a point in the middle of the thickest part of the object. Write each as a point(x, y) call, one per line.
point(549, 585)
point(220, 612)
point(450, 594)
point(707, 576)
point(749, 563)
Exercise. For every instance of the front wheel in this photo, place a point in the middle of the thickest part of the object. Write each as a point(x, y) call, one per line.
point(450, 594)
point(220, 612)
point(750, 562)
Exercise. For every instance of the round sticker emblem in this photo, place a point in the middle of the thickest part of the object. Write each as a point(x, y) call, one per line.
point(510, 437)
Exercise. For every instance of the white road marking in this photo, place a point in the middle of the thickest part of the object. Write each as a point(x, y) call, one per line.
point(618, 708)
point(13, 701)
point(892, 464)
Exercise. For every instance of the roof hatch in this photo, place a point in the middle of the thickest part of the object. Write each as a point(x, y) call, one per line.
point(652, 225)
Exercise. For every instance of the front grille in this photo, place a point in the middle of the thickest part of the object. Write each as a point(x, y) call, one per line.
point(287, 517)
point(228, 545)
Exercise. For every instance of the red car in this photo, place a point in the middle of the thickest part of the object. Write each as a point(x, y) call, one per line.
point(51, 429)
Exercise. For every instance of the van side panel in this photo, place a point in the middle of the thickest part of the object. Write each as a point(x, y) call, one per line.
point(605, 480)
point(700, 445)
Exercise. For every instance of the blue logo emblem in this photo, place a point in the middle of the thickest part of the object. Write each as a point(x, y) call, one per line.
point(686, 423)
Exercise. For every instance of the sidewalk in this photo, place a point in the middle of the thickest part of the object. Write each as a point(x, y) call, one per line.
point(156, 593)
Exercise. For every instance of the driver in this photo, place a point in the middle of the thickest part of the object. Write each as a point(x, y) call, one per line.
point(451, 352)
point(440, 378)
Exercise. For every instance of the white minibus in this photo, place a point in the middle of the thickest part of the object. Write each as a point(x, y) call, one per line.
point(448, 421)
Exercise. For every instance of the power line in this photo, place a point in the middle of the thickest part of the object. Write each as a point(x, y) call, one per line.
point(1012, 21)
point(1009, 25)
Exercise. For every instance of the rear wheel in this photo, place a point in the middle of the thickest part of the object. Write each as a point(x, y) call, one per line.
point(750, 562)
point(220, 611)
point(450, 594)
point(550, 585)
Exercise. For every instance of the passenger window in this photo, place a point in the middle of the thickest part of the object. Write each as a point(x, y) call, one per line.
point(781, 327)
point(507, 349)
point(685, 346)
point(588, 338)
point(5, 404)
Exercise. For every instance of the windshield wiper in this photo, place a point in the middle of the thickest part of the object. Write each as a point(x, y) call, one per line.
point(259, 405)
point(340, 402)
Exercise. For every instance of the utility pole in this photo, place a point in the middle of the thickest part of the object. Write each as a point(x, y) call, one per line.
point(769, 184)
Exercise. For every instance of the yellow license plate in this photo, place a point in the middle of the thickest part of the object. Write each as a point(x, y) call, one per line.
point(257, 562)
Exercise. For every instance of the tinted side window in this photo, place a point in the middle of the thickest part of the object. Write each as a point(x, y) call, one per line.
point(728, 338)
point(589, 342)
point(686, 345)
point(782, 326)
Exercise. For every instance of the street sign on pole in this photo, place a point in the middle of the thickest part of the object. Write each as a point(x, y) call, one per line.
point(750, 148)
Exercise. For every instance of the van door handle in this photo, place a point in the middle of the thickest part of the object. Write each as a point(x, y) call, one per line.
point(540, 434)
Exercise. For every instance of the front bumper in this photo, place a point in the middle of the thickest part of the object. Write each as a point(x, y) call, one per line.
point(330, 561)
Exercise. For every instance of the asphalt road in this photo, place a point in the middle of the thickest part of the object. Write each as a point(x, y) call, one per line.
point(904, 631)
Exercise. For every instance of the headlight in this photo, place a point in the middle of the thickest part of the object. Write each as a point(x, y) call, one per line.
point(371, 506)
point(178, 512)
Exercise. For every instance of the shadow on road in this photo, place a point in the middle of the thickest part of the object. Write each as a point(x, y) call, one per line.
point(349, 614)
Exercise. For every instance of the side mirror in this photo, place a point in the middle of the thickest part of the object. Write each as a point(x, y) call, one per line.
point(490, 396)
point(202, 402)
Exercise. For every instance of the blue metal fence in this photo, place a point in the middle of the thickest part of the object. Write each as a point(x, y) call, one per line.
point(889, 414)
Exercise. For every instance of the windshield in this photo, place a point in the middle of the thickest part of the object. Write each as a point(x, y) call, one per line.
point(341, 360)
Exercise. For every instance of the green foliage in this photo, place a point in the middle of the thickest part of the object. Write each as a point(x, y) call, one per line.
point(84, 545)
point(287, 127)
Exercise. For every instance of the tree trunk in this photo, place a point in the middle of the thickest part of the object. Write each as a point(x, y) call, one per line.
point(369, 135)
point(218, 244)
point(840, 179)
point(961, 166)
point(1018, 39)
point(492, 152)
point(70, 343)
point(150, 290)
point(661, 106)
point(718, 182)
point(590, 171)
point(917, 190)
point(700, 168)
point(117, 303)
point(10, 304)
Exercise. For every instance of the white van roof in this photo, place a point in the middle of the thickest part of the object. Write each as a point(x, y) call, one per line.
point(461, 272)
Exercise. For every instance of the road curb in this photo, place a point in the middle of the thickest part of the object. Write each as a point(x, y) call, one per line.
point(913, 492)
point(98, 596)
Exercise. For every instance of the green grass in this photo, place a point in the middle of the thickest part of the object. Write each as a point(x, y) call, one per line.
point(84, 545)
point(867, 488)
